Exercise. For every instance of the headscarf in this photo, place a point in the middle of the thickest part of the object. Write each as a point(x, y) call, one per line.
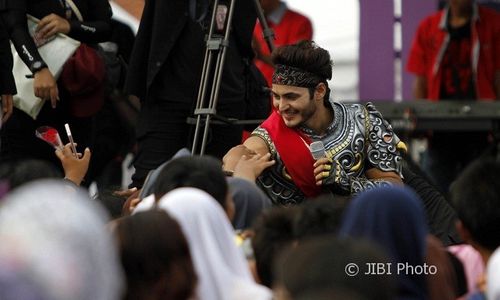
point(249, 201)
point(54, 241)
point(394, 218)
point(221, 268)
point(148, 187)
point(493, 276)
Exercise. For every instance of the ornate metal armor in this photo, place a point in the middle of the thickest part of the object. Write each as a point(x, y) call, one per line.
point(358, 139)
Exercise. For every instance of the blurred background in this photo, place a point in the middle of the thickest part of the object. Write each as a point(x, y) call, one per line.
point(369, 41)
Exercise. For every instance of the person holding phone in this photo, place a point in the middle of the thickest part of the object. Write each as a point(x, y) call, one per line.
point(18, 139)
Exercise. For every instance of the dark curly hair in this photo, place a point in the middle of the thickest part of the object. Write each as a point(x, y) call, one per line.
point(308, 56)
point(154, 253)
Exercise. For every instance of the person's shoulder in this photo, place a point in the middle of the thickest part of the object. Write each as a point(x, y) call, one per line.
point(368, 109)
point(260, 132)
point(347, 106)
point(295, 15)
point(349, 110)
point(356, 105)
point(260, 137)
point(433, 19)
point(489, 13)
point(371, 108)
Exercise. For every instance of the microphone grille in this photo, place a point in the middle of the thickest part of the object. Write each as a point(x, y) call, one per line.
point(317, 149)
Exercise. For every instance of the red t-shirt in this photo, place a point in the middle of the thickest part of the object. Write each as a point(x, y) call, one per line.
point(457, 77)
point(293, 27)
point(428, 52)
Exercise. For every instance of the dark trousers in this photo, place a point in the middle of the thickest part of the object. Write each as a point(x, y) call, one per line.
point(162, 130)
point(449, 153)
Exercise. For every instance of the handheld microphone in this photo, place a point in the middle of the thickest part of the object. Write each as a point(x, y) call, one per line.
point(317, 150)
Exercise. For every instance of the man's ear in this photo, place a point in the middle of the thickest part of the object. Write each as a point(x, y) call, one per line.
point(320, 91)
point(463, 232)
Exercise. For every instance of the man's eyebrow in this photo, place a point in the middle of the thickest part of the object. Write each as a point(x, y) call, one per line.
point(289, 94)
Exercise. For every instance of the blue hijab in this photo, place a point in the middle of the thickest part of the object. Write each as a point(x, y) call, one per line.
point(392, 217)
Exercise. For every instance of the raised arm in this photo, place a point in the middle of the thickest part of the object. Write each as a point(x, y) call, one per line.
point(96, 25)
point(420, 87)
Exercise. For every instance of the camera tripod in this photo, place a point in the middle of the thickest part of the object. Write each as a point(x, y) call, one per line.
point(216, 48)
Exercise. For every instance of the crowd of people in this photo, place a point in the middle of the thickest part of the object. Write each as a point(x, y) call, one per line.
point(321, 201)
point(199, 234)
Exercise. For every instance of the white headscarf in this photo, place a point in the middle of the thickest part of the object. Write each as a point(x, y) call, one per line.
point(145, 204)
point(54, 240)
point(493, 276)
point(222, 270)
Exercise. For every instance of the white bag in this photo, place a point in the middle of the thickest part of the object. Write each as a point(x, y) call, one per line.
point(55, 53)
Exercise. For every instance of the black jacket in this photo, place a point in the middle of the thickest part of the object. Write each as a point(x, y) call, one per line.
point(161, 25)
point(95, 28)
point(7, 84)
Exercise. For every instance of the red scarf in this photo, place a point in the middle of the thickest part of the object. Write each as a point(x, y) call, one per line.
point(293, 149)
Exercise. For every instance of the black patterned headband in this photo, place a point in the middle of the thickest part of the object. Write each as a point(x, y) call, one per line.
point(287, 75)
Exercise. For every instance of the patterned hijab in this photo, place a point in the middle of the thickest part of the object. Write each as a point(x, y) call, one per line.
point(55, 246)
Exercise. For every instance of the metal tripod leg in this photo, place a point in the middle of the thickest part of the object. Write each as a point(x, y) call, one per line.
point(217, 44)
point(267, 32)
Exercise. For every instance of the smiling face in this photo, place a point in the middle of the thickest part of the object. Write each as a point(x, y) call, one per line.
point(294, 104)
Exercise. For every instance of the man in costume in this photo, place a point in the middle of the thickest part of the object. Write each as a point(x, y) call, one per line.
point(361, 148)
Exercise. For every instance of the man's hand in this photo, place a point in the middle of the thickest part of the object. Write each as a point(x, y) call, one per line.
point(52, 24)
point(74, 167)
point(250, 167)
point(328, 172)
point(7, 107)
point(45, 86)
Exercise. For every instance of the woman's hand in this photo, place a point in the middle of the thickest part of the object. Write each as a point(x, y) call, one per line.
point(232, 157)
point(51, 25)
point(132, 201)
point(250, 167)
point(75, 168)
point(45, 86)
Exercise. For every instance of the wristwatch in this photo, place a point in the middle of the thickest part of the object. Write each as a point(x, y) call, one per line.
point(37, 66)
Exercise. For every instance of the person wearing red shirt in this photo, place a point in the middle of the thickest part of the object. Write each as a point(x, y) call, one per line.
point(461, 40)
point(289, 27)
point(456, 56)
